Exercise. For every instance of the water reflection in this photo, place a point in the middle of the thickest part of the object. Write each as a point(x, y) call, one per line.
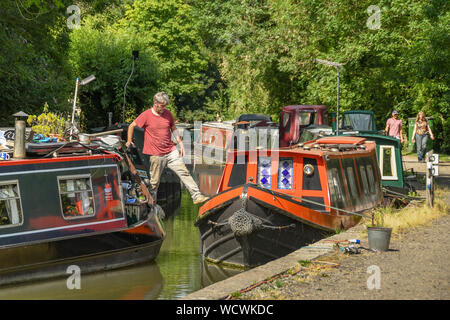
point(177, 271)
point(212, 273)
point(140, 282)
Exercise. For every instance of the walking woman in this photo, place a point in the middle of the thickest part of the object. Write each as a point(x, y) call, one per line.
point(420, 135)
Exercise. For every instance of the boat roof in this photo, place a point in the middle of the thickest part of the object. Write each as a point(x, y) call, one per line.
point(333, 145)
point(254, 117)
point(358, 111)
point(305, 107)
point(341, 140)
point(223, 125)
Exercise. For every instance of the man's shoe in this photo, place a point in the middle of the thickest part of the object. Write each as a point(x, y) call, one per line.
point(200, 199)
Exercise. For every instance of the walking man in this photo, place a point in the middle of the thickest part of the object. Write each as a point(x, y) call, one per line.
point(159, 125)
point(394, 127)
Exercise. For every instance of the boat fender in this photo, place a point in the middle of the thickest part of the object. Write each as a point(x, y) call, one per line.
point(243, 223)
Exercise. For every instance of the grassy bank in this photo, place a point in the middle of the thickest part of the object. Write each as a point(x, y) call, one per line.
point(414, 215)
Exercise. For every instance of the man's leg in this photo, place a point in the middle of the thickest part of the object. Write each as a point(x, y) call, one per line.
point(157, 165)
point(176, 164)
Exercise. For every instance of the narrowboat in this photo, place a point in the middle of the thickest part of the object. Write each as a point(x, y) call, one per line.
point(76, 204)
point(272, 202)
point(213, 139)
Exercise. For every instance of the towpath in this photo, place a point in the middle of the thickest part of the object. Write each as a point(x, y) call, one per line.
point(415, 267)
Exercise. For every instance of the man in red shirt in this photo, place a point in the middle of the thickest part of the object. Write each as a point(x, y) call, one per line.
point(158, 124)
point(394, 127)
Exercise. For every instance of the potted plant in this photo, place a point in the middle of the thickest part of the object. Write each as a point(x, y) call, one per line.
point(379, 236)
point(48, 124)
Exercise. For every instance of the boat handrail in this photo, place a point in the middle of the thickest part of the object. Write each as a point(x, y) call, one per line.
point(324, 205)
point(334, 208)
point(73, 143)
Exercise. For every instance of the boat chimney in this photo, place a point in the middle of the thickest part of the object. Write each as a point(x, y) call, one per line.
point(19, 135)
point(110, 114)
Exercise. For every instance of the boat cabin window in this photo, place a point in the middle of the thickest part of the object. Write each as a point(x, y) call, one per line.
point(388, 167)
point(238, 174)
point(306, 118)
point(285, 173)
point(364, 181)
point(368, 179)
point(358, 121)
point(10, 206)
point(265, 172)
point(350, 176)
point(336, 184)
point(76, 196)
point(286, 122)
point(325, 118)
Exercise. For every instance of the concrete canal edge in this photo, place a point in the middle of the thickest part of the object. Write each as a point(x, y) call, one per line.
point(222, 289)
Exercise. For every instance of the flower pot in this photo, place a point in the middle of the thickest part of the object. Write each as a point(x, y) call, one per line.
point(379, 238)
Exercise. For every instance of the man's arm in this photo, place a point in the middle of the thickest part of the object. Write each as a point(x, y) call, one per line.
point(178, 138)
point(130, 134)
point(401, 133)
point(386, 130)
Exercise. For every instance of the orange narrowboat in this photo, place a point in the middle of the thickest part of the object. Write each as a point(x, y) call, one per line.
point(272, 202)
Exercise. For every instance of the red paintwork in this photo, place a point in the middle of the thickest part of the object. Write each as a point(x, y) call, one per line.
point(291, 131)
point(217, 136)
point(208, 183)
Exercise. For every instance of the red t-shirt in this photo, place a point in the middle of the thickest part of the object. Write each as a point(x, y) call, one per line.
point(158, 135)
point(394, 127)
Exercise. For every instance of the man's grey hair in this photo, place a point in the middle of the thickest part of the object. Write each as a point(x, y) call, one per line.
point(161, 97)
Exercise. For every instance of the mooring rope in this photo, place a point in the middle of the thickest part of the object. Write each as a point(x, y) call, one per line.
point(403, 195)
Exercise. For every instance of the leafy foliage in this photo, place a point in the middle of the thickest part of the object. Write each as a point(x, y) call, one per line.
point(266, 52)
point(222, 58)
point(47, 123)
point(100, 49)
point(33, 69)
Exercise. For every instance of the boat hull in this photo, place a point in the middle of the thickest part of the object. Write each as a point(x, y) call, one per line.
point(274, 234)
point(90, 253)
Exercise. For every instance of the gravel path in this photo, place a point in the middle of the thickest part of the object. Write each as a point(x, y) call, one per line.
point(417, 266)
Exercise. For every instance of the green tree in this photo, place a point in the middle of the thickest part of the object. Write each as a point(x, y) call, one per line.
point(106, 51)
point(33, 69)
point(168, 30)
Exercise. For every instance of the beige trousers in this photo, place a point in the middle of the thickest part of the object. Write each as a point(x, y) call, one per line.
point(174, 162)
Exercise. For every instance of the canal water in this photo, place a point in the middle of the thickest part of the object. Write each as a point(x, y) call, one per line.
point(177, 271)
